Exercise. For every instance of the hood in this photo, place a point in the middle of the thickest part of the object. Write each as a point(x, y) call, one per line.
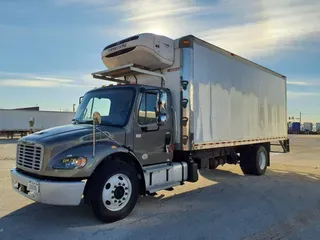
point(61, 130)
point(70, 131)
point(51, 132)
point(57, 139)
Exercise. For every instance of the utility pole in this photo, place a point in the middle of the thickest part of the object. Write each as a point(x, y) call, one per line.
point(74, 107)
point(300, 118)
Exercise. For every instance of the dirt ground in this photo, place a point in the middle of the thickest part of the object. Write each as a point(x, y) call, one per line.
point(224, 204)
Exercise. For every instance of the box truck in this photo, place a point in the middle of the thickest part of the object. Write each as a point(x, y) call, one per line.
point(175, 106)
point(318, 127)
point(308, 127)
point(18, 121)
point(295, 128)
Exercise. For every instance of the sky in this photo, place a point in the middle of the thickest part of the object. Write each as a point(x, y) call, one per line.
point(49, 48)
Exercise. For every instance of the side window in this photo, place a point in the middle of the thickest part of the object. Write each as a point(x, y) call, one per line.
point(148, 108)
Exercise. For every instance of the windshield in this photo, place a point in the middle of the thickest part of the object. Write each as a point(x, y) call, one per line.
point(114, 106)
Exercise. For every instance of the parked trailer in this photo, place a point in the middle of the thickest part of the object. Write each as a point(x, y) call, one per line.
point(17, 121)
point(308, 127)
point(181, 105)
point(295, 128)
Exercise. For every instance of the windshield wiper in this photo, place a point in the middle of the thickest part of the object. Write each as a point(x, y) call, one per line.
point(82, 122)
point(75, 120)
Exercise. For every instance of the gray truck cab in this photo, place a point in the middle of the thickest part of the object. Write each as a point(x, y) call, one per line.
point(137, 118)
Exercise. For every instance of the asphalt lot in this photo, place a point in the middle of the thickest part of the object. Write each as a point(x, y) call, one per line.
point(224, 204)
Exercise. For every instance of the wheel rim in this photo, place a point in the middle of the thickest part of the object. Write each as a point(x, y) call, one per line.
point(262, 160)
point(116, 192)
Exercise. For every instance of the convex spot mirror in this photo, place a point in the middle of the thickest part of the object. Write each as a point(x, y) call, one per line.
point(96, 118)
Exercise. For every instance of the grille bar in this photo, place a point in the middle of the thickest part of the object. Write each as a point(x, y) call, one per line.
point(30, 156)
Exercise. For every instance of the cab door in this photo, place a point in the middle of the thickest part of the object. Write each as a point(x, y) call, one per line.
point(152, 139)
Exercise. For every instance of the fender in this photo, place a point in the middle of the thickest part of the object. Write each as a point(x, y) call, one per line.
point(104, 148)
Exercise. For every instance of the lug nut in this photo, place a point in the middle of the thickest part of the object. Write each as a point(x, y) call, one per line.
point(126, 193)
point(115, 201)
point(119, 184)
point(126, 188)
point(123, 199)
point(123, 184)
point(112, 197)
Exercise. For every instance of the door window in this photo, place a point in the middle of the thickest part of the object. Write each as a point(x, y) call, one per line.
point(148, 109)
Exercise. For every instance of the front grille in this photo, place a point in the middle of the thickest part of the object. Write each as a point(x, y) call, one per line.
point(30, 156)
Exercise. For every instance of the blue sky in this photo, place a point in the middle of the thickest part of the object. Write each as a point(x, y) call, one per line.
point(49, 48)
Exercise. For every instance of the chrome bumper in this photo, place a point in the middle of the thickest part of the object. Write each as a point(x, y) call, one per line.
point(49, 192)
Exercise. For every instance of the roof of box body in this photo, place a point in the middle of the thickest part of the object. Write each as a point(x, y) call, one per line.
point(187, 42)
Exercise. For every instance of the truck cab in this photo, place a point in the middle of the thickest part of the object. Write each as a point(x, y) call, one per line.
point(138, 117)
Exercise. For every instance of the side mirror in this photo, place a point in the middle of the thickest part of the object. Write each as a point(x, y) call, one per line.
point(96, 118)
point(162, 120)
point(162, 108)
point(163, 98)
point(80, 99)
point(162, 102)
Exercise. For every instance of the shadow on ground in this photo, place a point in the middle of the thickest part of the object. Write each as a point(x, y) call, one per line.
point(231, 205)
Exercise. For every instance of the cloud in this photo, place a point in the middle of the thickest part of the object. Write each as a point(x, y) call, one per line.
point(38, 83)
point(250, 28)
point(27, 83)
point(298, 83)
point(292, 94)
point(9, 79)
point(267, 27)
point(54, 79)
point(301, 83)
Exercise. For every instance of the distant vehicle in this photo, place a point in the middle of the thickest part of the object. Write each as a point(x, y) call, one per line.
point(17, 121)
point(307, 127)
point(295, 128)
point(317, 127)
point(177, 106)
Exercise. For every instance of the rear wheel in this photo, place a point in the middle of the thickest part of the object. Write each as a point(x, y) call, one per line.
point(254, 160)
point(115, 191)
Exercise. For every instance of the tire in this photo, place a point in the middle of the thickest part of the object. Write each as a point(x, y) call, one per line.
point(245, 161)
point(115, 191)
point(254, 161)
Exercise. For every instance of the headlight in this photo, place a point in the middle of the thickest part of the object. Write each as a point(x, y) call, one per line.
point(71, 163)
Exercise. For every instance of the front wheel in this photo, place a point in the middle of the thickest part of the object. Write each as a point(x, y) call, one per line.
point(115, 191)
point(254, 160)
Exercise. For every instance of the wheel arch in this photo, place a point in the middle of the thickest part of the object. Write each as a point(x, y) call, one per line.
point(128, 157)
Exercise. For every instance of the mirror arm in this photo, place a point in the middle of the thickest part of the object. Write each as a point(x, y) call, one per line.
point(94, 138)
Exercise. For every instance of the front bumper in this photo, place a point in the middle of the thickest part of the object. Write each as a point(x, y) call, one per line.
point(49, 192)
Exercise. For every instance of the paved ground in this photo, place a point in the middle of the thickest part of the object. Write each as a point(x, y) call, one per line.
point(224, 204)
